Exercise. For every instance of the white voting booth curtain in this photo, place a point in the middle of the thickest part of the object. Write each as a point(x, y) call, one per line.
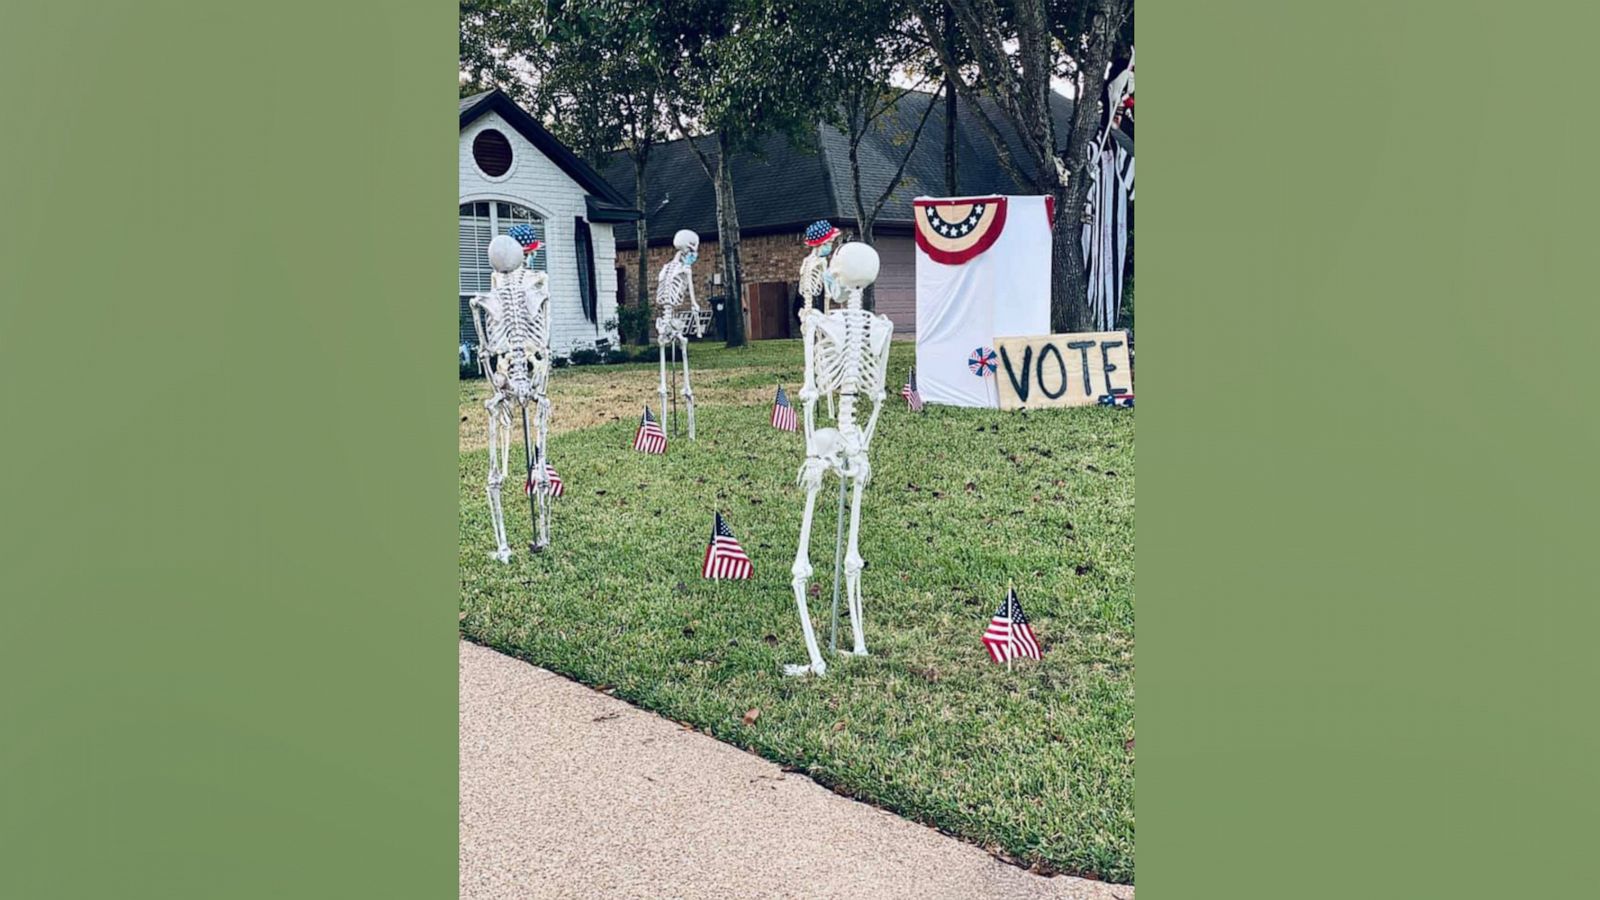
point(983, 271)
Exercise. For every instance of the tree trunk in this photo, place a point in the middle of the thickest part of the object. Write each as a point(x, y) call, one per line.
point(641, 231)
point(728, 242)
point(1069, 283)
point(863, 218)
point(952, 187)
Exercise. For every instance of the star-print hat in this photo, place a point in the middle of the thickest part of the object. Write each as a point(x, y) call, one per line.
point(524, 235)
point(820, 232)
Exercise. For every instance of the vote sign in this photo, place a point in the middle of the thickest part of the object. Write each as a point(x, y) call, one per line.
point(1062, 369)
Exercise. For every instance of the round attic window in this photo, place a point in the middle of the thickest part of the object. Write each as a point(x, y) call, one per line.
point(492, 152)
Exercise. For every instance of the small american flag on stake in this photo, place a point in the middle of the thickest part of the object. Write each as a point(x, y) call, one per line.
point(650, 438)
point(782, 412)
point(1009, 633)
point(724, 557)
point(913, 397)
point(556, 488)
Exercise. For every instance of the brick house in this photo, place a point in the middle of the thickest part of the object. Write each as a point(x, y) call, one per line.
point(512, 171)
point(781, 189)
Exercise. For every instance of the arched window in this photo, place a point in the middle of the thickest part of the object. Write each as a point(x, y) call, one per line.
point(479, 223)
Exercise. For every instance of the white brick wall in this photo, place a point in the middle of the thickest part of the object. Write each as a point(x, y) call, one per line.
point(540, 185)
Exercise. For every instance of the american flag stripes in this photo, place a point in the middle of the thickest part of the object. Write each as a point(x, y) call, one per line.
point(782, 412)
point(724, 557)
point(1009, 635)
point(913, 397)
point(650, 438)
point(556, 488)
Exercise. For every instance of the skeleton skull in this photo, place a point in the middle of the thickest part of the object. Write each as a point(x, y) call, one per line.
point(505, 254)
point(855, 265)
point(686, 241)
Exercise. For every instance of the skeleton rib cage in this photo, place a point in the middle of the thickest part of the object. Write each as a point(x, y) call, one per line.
point(680, 316)
point(513, 323)
point(847, 354)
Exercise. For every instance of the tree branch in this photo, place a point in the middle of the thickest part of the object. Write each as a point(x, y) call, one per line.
point(705, 161)
point(904, 160)
point(966, 92)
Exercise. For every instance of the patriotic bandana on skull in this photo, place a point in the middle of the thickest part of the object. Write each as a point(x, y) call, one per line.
point(820, 232)
point(524, 235)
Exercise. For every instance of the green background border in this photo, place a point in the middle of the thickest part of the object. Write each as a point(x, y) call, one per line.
point(228, 598)
point(229, 492)
point(1367, 604)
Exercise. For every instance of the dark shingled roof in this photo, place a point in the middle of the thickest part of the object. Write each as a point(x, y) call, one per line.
point(783, 188)
point(603, 202)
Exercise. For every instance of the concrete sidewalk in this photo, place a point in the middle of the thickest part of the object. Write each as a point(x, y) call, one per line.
point(566, 792)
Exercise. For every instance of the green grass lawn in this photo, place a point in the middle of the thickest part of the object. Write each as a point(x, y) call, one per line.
point(1035, 763)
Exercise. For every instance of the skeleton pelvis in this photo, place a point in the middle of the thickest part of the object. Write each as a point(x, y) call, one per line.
point(833, 445)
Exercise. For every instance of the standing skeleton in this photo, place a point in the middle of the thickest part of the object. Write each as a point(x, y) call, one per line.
point(674, 285)
point(847, 352)
point(815, 279)
point(513, 324)
point(816, 282)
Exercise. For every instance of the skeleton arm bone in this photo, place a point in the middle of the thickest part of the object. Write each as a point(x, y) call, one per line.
point(483, 345)
point(808, 390)
point(830, 289)
point(694, 305)
point(877, 395)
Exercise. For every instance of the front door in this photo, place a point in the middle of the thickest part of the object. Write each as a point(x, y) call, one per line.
point(771, 307)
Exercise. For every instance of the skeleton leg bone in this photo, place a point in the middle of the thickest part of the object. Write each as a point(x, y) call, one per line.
point(499, 453)
point(812, 476)
point(661, 391)
point(853, 564)
point(688, 392)
point(528, 453)
point(541, 479)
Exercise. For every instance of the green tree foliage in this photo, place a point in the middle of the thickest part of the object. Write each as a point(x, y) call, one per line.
point(592, 70)
point(1017, 48)
point(742, 70)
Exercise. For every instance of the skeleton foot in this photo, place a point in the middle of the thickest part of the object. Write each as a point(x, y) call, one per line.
point(503, 554)
point(798, 670)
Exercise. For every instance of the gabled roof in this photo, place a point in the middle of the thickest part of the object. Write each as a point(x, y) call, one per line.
point(784, 188)
point(604, 203)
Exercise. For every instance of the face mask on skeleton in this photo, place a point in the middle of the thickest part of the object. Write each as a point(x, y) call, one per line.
point(825, 249)
point(690, 257)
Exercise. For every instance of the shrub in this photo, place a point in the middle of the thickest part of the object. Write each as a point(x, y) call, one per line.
point(633, 323)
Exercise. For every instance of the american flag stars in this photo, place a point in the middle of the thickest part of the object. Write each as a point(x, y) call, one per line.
point(650, 438)
point(1009, 635)
point(783, 412)
point(725, 558)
